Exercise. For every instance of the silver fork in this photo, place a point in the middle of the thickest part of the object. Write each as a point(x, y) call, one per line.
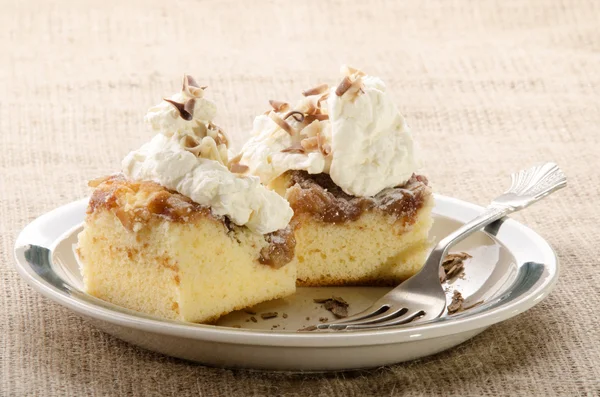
point(422, 295)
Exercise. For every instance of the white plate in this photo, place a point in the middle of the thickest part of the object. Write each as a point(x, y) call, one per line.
point(512, 269)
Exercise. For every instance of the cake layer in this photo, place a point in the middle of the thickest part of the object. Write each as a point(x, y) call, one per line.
point(174, 259)
point(367, 251)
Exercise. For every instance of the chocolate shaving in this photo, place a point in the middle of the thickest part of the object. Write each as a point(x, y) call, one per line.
point(324, 148)
point(340, 300)
point(189, 106)
point(453, 265)
point(323, 319)
point(320, 117)
point(237, 158)
point(236, 326)
point(190, 144)
point(310, 143)
point(279, 106)
point(238, 168)
point(281, 123)
point(356, 85)
point(309, 328)
point(221, 135)
point(295, 148)
point(309, 106)
point(337, 309)
point(191, 87)
point(298, 116)
point(191, 81)
point(254, 320)
point(343, 86)
point(200, 130)
point(284, 315)
point(457, 301)
point(321, 88)
point(181, 109)
point(249, 311)
point(321, 300)
point(456, 306)
point(336, 305)
point(312, 129)
point(266, 316)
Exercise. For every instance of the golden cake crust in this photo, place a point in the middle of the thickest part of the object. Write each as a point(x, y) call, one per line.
point(139, 201)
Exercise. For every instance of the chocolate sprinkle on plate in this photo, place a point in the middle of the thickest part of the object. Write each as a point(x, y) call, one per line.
point(266, 316)
point(254, 320)
point(456, 306)
point(322, 300)
point(309, 328)
point(336, 305)
point(457, 302)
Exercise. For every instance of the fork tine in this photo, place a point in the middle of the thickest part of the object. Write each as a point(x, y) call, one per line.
point(388, 314)
point(365, 314)
point(406, 317)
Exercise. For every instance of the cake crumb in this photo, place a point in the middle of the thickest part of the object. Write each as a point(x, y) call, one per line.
point(323, 319)
point(307, 318)
point(266, 316)
point(284, 315)
point(453, 266)
point(254, 320)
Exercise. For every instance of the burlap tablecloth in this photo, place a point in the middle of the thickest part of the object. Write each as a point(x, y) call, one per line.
point(488, 87)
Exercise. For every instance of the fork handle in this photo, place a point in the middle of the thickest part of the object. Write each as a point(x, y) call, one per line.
point(489, 215)
point(528, 186)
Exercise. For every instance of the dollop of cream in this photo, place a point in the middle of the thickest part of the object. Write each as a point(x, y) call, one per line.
point(190, 157)
point(369, 145)
point(372, 148)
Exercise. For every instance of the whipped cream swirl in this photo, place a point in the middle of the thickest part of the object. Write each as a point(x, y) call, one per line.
point(364, 143)
point(189, 155)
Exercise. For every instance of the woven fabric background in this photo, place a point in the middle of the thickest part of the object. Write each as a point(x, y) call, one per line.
point(488, 87)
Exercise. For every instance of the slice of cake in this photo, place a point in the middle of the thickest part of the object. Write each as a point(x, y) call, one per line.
point(180, 234)
point(344, 159)
point(350, 240)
